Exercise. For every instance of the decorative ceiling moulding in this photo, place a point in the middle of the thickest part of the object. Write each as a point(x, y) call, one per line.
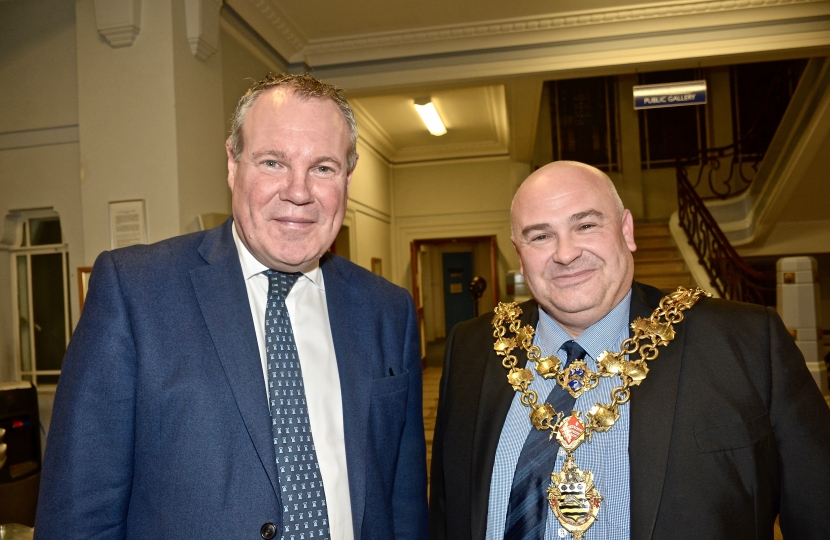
point(605, 23)
point(268, 19)
point(119, 21)
point(202, 26)
point(602, 56)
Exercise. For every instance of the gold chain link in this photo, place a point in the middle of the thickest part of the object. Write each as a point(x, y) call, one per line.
point(658, 329)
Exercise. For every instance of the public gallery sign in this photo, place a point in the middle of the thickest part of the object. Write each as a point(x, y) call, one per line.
point(653, 96)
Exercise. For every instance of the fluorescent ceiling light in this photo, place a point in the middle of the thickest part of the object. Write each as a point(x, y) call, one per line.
point(429, 115)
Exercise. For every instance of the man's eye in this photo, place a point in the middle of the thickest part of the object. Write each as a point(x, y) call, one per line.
point(586, 226)
point(325, 170)
point(539, 237)
point(270, 163)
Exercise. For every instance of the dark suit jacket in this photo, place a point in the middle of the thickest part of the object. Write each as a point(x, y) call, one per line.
point(728, 429)
point(161, 426)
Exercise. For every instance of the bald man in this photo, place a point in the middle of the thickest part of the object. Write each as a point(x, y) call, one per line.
point(720, 431)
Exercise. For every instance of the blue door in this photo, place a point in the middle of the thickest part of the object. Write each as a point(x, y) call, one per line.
point(458, 272)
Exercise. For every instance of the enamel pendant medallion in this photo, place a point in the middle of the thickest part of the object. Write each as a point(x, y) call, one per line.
point(572, 496)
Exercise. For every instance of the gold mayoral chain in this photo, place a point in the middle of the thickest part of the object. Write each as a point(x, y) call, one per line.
point(572, 495)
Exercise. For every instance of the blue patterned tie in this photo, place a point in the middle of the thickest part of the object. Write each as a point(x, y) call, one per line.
point(527, 510)
point(304, 513)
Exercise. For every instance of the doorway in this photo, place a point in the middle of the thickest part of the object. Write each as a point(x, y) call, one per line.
point(442, 269)
point(457, 269)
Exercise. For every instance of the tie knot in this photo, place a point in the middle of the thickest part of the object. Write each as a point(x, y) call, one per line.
point(574, 351)
point(280, 283)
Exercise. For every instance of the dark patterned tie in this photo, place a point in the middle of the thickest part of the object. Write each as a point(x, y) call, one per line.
point(304, 513)
point(527, 510)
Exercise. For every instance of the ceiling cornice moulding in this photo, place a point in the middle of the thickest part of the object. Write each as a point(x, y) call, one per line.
point(543, 29)
point(602, 56)
point(271, 22)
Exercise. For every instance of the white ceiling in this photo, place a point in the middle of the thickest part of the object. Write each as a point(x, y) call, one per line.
point(484, 61)
point(475, 118)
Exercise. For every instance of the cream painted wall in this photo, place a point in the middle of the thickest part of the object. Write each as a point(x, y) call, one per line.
point(39, 156)
point(38, 83)
point(127, 120)
point(453, 200)
point(151, 125)
point(370, 204)
point(370, 182)
point(200, 129)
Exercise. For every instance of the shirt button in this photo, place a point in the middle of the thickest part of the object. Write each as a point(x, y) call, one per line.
point(268, 531)
point(562, 533)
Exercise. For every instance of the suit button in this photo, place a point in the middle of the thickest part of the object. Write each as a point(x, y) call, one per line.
point(268, 531)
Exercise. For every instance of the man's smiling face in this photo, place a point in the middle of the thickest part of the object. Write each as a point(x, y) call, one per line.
point(291, 182)
point(574, 243)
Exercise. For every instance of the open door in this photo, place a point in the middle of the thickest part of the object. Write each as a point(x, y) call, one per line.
point(417, 295)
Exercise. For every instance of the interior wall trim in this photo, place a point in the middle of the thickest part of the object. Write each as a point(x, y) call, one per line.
point(13, 140)
point(540, 26)
point(669, 15)
point(593, 56)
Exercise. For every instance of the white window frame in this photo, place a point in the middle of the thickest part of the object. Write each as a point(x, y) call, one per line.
point(17, 232)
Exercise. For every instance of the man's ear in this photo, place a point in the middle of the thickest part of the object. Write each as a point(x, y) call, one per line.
point(628, 230)
point(231, 163)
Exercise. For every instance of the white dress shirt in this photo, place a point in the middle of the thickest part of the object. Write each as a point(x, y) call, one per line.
point(307, 307)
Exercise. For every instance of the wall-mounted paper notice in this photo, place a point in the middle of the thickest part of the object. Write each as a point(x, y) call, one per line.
point(128, 225)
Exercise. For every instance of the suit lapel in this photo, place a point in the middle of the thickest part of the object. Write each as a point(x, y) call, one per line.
point(354, 380)
point(494, 403)
point(223, 300)
point(652, 413)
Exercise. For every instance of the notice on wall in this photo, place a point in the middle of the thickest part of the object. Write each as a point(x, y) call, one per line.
point(653, 96)
point(128, 224)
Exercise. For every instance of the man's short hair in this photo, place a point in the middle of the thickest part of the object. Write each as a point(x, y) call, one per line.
point(305, 87)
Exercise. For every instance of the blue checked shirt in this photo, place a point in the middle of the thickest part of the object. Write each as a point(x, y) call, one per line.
point(606, 456)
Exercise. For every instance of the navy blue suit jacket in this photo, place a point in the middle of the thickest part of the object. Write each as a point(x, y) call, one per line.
point(161, 426)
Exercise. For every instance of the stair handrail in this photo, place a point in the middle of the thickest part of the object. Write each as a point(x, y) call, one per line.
point(713, 157)
point(728, 272)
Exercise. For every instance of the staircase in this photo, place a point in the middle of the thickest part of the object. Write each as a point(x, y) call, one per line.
point(657, 262)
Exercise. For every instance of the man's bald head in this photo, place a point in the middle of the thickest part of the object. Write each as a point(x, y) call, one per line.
point(574, 240)
point(557, 166)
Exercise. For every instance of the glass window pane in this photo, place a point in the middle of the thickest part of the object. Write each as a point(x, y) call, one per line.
point(27, 378)
point(48, 310)
point(674, 132)
point(584, 121)
point(47, 379)
point(45, 231)
point(23, 311)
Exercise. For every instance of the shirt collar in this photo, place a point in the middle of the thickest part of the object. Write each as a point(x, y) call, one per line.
point(251, 267)
point(603, 335)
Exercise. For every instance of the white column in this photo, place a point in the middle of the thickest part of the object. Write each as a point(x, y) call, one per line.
point(800, 308)
point(151, 120)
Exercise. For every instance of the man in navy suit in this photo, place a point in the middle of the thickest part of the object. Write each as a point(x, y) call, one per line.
point(167, 417)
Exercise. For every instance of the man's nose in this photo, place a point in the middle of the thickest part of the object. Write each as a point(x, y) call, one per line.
point(297, 190)
point(567, 250)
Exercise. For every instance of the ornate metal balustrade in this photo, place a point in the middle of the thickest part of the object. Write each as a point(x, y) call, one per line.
point(729, 274)
point(725, 172)
point(728, 171)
